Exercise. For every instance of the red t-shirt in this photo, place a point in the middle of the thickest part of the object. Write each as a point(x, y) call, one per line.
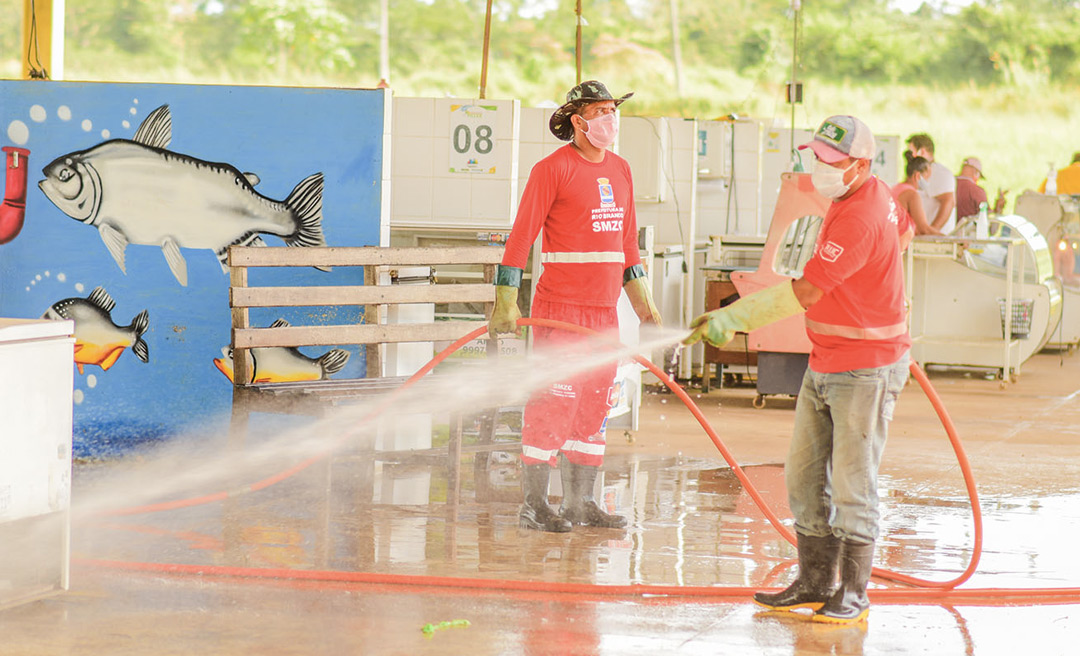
point(968, 197)
point(905, 221)
point(860, 321)
point(586, 211)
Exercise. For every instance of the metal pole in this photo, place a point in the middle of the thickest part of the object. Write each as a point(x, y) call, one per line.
point(577, 48)
point(676, 49)
point(43, 39)
point(384, 42)
point(796, 6)
point(487, 40)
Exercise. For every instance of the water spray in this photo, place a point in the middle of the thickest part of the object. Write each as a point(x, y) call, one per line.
point(924, 591)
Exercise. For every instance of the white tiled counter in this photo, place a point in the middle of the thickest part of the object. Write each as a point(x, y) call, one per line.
point(36, 362)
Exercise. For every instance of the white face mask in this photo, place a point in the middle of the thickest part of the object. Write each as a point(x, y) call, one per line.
point(829, 180)
point(602, 130)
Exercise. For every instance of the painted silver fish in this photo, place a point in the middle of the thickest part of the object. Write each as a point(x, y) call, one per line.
point(279, 364)
point(97, 339)
point(137, 192)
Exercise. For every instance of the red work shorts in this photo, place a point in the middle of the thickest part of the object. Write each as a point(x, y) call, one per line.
point(570, 416)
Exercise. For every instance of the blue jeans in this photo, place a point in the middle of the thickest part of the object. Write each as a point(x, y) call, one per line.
point(841, 424)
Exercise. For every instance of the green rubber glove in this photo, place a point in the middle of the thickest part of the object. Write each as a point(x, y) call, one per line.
point(748, 313)
point(506, 313)
point(637, 290)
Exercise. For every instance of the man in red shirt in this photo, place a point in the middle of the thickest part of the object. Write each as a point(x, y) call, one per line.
point(582, 196)
point(969, 195)
point(852, 290)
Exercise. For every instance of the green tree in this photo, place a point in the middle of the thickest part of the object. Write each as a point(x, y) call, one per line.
point(994, 43)
point(262, 40)
point(867, 42)
point(284, 34)
point(120, 33)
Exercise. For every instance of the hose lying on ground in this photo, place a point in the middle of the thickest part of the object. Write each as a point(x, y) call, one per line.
point(925, 591)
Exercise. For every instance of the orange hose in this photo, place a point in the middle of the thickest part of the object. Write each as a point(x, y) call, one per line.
point(930, 591)
point(972, 596)
point(764, 507)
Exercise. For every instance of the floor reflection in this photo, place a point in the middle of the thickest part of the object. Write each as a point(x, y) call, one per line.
point(691, 524)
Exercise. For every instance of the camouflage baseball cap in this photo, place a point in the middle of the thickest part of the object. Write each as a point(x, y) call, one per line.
point(585, 93)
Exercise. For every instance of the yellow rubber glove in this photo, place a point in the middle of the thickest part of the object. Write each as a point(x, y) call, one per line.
point(637, 290)
point(505, 314)
point(748, 313)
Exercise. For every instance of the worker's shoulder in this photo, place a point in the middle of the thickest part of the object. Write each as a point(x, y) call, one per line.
point(561, 156)
point(867, 205)
point(558, 161)
point(939, 169)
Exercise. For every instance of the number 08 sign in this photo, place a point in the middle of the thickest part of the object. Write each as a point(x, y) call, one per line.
point(472, 138)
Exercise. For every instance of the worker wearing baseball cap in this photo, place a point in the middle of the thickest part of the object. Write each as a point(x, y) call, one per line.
point(853, 295)
point(969, 195)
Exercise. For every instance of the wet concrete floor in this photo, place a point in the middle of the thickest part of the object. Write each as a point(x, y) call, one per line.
point(692, 525)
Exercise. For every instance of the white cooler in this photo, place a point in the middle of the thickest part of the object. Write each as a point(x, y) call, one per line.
point(36, 362)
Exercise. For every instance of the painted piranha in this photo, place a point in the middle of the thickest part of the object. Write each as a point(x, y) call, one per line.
point(280, 364)
point(98, 340)
point(138, 192)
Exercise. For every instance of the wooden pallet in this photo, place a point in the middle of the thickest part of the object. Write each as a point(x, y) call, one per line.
point(319, 397)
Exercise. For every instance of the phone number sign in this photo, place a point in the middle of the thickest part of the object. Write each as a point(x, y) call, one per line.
point(472, 138)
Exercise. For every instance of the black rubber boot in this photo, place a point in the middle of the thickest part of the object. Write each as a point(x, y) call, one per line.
point(535, 513)
point(849, 604)
point(579, 506)
point(818, 558)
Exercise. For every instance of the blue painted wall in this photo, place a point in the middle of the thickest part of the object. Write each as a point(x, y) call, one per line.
point(282, 135)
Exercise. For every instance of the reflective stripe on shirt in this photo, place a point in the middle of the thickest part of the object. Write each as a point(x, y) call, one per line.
point(616, 257)
point(855, 332)
point(591, 448)
point(537, 453)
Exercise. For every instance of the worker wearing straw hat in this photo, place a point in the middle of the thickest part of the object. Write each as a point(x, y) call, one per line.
point(581, 196)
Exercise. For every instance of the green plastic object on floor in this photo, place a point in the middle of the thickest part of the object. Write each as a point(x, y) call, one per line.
point(431, 628)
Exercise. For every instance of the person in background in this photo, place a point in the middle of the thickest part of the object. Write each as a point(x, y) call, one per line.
point(906, 193)
point(938, 191)
point(582, 197)
point(1068, 178)
point(852, 290)
point(969, 195)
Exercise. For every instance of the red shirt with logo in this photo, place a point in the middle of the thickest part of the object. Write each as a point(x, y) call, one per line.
point(586, 211)
point(860, 322)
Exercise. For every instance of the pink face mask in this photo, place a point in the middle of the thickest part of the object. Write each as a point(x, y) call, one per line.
point(602, 130)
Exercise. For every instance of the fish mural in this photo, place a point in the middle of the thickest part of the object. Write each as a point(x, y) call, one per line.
point(280, 364)
point(138, 192)
point(98, 340)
